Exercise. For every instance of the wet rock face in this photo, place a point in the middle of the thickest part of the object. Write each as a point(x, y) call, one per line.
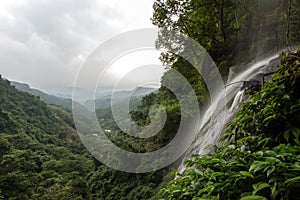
point(291, 49)
point(252, 85)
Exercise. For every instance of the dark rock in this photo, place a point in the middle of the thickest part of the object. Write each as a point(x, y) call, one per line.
point(251, 85)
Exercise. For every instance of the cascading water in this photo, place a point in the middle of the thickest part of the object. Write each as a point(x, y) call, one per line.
point(237, 99)
point(224, 108)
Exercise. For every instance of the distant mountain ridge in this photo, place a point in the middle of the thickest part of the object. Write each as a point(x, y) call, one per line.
point(49, 99)
point(135, 95)
point(103, 101)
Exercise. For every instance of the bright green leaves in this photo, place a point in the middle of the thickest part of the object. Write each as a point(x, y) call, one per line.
point(253, 197)
point(291, 181)
point(259, 186)
point(257, 166)
point(270, 170)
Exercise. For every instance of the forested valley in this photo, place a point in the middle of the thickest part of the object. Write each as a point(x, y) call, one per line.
point(42, 157)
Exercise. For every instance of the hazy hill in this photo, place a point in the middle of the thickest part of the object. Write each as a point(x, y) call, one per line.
point(49, 99)
point(103, 100)
point(119, 96)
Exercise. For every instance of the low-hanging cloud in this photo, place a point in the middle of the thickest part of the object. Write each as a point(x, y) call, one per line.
point(44, 42)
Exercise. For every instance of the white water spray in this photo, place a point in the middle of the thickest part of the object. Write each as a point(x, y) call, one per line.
point(220, 113)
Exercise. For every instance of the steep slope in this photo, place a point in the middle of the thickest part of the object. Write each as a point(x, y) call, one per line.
point(49, 99)
point(41, 156)
point(259, 158)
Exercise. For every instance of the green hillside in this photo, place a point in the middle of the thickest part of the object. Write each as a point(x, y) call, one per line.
point(49, 99)
point(41, 156)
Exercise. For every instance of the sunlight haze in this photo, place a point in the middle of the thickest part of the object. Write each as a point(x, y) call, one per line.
point(46, 42)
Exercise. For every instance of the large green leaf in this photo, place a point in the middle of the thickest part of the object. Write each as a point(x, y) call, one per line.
point(253, 197)
point(259, 186)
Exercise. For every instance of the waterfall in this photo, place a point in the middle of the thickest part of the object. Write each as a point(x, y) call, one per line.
point(237, 99)
point(224, 108)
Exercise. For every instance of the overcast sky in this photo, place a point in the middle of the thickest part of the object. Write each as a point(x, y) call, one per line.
point(44, 42)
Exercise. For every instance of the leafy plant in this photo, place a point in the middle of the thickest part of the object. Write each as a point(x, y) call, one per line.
point(259, 158)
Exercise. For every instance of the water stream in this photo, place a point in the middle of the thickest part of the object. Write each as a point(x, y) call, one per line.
point(224, 108)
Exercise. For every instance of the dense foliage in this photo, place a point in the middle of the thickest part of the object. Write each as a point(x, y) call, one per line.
point(259, 158)
point(41, 156)
point(231, 31)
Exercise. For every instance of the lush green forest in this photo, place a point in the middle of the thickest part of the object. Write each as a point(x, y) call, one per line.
point(41, 156)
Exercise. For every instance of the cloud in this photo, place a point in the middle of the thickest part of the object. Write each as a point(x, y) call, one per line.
point(44, 42)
